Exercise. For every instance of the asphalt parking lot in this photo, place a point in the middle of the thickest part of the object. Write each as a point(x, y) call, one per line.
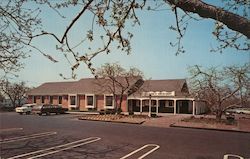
point(62, 136)
point(20, 143)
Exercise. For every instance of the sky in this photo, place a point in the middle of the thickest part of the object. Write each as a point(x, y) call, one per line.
point(151, 50)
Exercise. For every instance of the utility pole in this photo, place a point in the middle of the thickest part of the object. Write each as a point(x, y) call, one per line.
point(149, 111)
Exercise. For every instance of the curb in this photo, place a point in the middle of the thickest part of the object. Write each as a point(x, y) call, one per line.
point(83, 113)
point(214, 129)
point(114, 121)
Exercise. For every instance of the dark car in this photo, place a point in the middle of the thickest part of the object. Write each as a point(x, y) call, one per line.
point(48, 109)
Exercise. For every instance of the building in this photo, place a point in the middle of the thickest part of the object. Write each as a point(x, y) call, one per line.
point(156, 96)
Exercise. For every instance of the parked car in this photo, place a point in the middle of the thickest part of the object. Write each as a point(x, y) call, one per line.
point(26, 108)
point(238, 111)
point(48, 109)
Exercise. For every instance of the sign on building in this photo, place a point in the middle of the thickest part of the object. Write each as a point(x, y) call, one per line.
point(158, 94)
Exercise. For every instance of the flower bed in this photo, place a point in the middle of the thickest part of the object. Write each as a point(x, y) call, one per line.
point(136, 119)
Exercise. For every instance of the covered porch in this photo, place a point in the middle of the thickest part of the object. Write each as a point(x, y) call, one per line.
point(162, 105)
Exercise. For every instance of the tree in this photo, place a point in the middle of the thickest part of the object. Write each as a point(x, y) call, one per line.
point(17, 25)
point(21, 25)
point(14, 91)
point(218, 87)
point(1, 98)
point(118, 81)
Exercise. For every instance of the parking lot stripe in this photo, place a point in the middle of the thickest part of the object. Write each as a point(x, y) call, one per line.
point(54, 149)
point(67, 148)
point(8, 140)
point(10, 129)
point(141, 148)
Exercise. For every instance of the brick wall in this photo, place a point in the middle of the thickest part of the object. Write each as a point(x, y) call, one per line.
point(46, 99)
point(81, 103)
point(124, 103)
point(55, 100)
point(99, 102)
point(65, 101)
point(30, 99)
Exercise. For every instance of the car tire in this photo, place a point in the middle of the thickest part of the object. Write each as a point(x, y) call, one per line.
point(27, 113)
point(21, 113)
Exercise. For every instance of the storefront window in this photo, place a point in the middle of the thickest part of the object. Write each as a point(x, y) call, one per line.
point(109, 101)
point(60, 100)
point(90, 100)
point(72, 100)
point(51, 99)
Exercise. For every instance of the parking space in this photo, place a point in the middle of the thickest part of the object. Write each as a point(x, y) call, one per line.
point(25, 137)
point(142, 151)
point(24, 144)
point(57, 136)
point(10, 129)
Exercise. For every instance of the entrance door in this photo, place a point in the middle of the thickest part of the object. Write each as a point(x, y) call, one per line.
point(183, 107)
point(133, 105)
point(153, 106)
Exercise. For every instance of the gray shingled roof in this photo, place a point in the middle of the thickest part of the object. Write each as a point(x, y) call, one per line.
point(164, 85)
point(89, 86)
point(53, 88)
point(167, 85)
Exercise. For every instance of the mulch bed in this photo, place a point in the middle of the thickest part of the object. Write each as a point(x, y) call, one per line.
point(135, 119)
point(101, 117)
point(212, 121)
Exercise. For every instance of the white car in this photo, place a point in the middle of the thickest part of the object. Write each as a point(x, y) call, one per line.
point(238, 110)
point(243, 111)
point(26, 108)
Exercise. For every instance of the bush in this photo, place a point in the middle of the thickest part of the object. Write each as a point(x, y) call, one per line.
point(7, 109)
point(230, 119)
point(131, 113)
point(107, 111)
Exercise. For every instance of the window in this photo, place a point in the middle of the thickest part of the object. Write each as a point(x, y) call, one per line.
point(153, 102)
point(72, 100)
point(59, 99)
point(170, 103)
point(90, 100)
point(43, 98)
point(34, 99)
point(51, 99)
point(109, 101)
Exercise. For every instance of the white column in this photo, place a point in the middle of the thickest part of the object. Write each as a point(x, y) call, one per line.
point(157, 106)
point(141, 106)
point(193, 107)
point(174, 106)
point(149, 111)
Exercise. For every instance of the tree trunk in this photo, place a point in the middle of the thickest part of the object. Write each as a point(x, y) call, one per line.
point(19, 102)
point(116, 112)
point(13, 103)
point(218, 114)
point(120, 105)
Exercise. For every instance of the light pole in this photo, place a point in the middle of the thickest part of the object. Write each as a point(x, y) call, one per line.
point(149, 111)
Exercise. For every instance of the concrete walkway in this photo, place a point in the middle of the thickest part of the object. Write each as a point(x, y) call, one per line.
point(164, 121)
point(168, 120)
